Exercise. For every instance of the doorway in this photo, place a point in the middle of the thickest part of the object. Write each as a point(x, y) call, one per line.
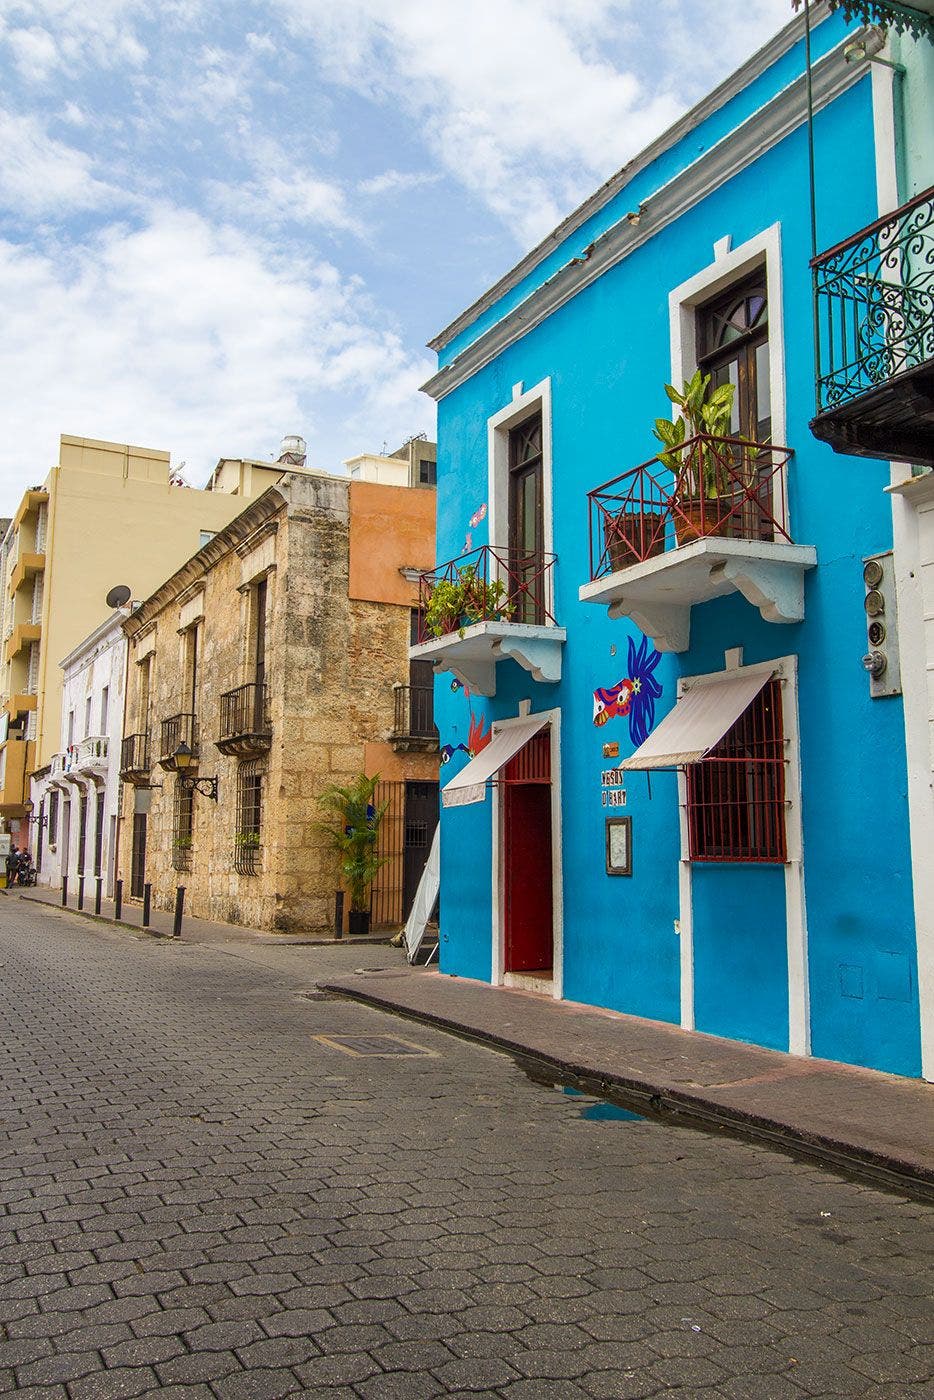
point(138, 856)
point(528, 898)
point(66, 839)
point(421, 818)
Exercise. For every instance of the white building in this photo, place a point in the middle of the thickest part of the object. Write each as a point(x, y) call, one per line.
point(77, 797)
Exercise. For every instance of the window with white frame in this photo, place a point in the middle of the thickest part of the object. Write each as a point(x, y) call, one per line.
point(520, 502)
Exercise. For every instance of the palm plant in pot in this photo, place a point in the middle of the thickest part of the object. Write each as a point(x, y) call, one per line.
point(351, 828)
point(702, 470)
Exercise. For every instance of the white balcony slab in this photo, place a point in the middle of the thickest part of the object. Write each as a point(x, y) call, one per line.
point(659, 593)
point(472, 655)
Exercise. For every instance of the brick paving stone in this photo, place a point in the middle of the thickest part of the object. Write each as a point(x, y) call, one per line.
point(212, 1204)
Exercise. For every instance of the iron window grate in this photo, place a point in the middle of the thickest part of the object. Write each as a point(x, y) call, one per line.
point(736, 795)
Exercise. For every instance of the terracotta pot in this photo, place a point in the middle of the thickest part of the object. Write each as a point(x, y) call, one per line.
point(629, 532)
point(696, 520)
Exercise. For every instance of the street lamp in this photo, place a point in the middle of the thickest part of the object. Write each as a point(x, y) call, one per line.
point(29, 807)
point(184, 759)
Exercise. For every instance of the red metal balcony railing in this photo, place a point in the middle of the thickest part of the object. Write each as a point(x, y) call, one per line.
point(488, 584)
point(723, 487)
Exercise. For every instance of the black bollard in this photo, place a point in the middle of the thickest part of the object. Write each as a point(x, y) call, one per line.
point(338, 913)
point(179, 908)
point(147, 900)
point(118, 899)
point(97, 895)
point(80, 891)
point(64, 891)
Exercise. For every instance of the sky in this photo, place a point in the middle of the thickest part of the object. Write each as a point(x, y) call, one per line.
point(222, 221)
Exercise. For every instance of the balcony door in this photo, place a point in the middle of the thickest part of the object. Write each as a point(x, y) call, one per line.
point(733, 344)
point(526, 587)
point(259, 655)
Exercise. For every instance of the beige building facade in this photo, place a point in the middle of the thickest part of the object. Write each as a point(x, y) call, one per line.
point(278, 655)
point(107, 514)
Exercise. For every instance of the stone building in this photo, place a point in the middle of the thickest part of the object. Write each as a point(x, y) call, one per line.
point(278, 655)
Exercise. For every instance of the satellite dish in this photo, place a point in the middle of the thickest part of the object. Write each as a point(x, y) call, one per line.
point(118, 596)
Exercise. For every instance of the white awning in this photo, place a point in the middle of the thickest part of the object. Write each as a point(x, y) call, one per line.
point(470, 783)
point(698, 721)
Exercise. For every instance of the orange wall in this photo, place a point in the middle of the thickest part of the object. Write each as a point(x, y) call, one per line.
point(393, 767)
point(391, 527)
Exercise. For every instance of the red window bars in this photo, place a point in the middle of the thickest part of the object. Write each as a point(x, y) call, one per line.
point(532, 764)
point(736, 795)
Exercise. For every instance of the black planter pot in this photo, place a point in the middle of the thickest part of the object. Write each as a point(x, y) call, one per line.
point(358, 921)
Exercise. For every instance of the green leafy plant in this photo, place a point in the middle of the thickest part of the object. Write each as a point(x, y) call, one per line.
point(351, 828)
point(247, 838)
point(702, 470)
point(455, 604)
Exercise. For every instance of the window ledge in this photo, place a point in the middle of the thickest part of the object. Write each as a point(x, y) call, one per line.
point(659, 593)
point(473, 654)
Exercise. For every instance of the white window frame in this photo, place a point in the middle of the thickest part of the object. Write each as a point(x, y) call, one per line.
point(785, 670)
point(523, 405)
point(731, 266)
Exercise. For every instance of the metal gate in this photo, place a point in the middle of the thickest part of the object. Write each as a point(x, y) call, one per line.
point(138, 856)
point(404, 842)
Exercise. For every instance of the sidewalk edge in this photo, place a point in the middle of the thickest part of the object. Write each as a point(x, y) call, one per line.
point(889, 1172)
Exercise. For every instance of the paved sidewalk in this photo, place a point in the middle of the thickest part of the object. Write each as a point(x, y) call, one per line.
point(200, 930)
point(877, 1126)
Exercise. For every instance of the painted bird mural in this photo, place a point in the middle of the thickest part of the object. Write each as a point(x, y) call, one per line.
point(634, 696)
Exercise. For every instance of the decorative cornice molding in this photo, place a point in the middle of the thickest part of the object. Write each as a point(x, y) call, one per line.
point(831, 77)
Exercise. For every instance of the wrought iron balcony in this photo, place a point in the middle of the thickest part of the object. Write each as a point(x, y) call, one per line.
point(487, 605)
point(413, 727)
point(704, 519)
point(134, 757)
point(874, 312)
point(245, 726)
point(177, 729)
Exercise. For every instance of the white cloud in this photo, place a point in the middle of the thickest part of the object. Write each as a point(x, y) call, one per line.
point(42, 176)
point(198, 339)
point(47, 35)
point(398, 182)
point(520, 99)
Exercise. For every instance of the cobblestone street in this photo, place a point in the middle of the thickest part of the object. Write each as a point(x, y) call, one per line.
point(201, 1198)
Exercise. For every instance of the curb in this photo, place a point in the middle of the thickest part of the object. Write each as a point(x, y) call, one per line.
point(98, 918)
point(690, 1109)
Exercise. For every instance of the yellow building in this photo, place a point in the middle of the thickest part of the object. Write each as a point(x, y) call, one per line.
point(107, 515)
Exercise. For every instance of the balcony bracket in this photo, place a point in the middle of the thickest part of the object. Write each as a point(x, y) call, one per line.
point(473, 656)
point(777, 590)
point(667, 624)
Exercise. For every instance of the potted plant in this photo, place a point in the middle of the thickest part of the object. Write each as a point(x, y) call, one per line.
point(455, 604)
point(351, 828)
point(700, 473)
point(632, 535)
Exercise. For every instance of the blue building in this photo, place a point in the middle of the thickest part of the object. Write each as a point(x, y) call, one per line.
point(671, 787)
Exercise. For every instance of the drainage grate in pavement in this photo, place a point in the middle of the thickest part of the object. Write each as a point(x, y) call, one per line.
point(373, 1045)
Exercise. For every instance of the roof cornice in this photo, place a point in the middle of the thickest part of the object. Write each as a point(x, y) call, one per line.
point(779, 44)
point(831, 76)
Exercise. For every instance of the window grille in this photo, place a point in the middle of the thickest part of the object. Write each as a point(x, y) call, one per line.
point(249, 831)
point(38, 592)
point(736, 795)
point(32, 674)
point(42, 517)
point(182, 827)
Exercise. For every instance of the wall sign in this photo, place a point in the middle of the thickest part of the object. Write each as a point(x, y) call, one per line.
point(612, 781)
point(619, 845)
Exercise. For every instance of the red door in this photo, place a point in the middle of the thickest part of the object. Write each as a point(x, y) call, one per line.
point(528, 911)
